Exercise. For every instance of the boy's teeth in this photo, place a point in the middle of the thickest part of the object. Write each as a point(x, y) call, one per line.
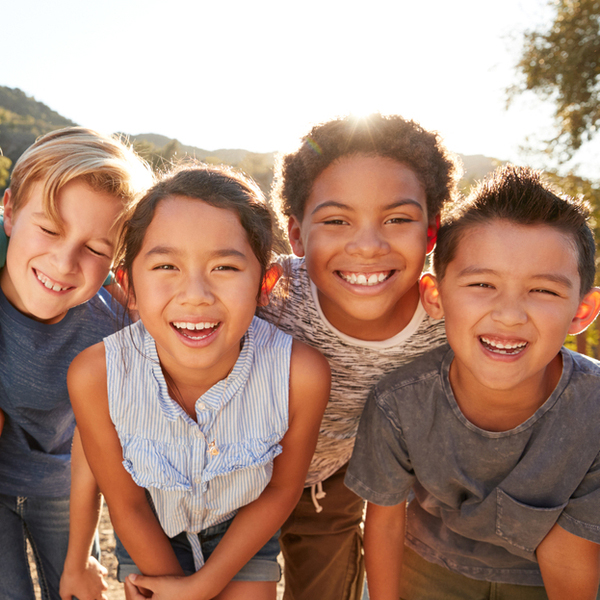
point(503, 347)
point(364, 278)
point(49, 284)
point(193, 326)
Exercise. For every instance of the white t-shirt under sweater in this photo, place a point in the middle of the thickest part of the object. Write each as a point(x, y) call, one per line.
point(356, 365)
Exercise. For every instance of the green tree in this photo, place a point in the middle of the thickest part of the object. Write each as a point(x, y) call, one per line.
point(5, 164)
point(562, 65)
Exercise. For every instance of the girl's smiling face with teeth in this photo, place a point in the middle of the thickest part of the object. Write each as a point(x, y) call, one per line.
point(195, 282)
point(510, 296)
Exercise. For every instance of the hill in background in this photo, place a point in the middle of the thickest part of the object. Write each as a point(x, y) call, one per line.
point(23, 119)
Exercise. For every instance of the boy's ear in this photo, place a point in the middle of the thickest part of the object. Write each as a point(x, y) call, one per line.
point(432, 231)
point(295, 236)
point(8, 212)
point(430, 296)
point(271, 277)
point(587, 311)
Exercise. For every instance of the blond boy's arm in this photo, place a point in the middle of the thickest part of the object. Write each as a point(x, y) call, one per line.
point(384, 546)
point(83, 575)
point(570, 565)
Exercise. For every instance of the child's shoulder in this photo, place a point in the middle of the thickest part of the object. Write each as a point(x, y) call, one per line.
point(421, 369)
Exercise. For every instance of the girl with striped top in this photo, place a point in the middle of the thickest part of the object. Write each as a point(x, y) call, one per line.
point(199, 421)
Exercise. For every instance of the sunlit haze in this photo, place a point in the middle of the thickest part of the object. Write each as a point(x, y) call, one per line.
point(255, 75)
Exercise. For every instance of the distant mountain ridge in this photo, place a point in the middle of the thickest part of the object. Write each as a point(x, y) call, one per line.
point(23, 119)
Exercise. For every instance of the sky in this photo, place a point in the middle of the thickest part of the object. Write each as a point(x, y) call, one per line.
point(257, 74)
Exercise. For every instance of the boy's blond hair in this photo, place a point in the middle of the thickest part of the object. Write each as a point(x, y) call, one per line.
point(105, 163)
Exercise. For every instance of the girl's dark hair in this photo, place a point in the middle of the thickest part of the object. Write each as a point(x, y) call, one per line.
point(219, 186)
point(519, 195)
point(392, 137)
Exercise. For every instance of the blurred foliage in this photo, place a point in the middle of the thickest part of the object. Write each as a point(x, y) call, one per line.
point(562, 65)
point(5, 164)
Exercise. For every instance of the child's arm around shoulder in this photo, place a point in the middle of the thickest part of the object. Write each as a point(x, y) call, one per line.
point(130, 512)
point(570, 565)
point(257, 522)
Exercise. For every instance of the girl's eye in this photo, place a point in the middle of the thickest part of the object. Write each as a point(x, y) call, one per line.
point(543, 291)
point(399, 220)
point(163, 268)
point(226, 268)
point(335, 222)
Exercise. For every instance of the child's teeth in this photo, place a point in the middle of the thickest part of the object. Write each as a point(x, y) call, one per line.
point(365, 279)
point(51, 286)
point(193, 326)
point(361, 279)
point(373, 279)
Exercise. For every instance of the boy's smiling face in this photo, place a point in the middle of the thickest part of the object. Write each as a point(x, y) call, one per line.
point(49, 271)
point(510, 296)
point(365, 233)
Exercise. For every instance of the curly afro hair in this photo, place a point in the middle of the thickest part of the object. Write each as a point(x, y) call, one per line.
point(392, 136)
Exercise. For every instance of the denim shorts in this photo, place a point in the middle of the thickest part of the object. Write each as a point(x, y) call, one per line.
point(263, 566)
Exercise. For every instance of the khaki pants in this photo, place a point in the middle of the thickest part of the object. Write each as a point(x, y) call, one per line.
point(323, 551)
point(422, 580)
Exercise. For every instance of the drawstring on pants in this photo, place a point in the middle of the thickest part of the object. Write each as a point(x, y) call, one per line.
point(316, 494)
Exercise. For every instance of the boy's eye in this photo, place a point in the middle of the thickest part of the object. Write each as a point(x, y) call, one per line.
point(48, 231)
point(543, 291)
point(481, 285)
point(96, 252)
point(335, 222)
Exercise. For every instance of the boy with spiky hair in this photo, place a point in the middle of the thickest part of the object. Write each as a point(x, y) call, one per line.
point(360, 199)
point(498, 434)
point(62, 213)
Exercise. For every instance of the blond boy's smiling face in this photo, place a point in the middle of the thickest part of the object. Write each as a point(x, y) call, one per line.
point(510, 296)
point(49, 271)
point(365, 235)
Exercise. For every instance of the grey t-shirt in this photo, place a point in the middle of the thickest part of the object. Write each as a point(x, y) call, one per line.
point(356, 365)
point(483, 501)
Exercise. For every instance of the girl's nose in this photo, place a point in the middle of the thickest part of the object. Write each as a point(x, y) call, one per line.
point(368, 242)
point(196, 290)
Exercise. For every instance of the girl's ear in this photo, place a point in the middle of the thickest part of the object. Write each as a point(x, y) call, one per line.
point(430, 296)
point(123, 280)
point(295, 236)
point(432, 231)
point(8, 212)
point(587, 311)
point(269, 280)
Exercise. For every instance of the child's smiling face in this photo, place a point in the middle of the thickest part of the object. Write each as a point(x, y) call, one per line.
point(195, 282)
point(509, 296)
point(365, 233)
point(49, 270)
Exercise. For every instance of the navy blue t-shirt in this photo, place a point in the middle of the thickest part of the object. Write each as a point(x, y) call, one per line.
point(35, 444)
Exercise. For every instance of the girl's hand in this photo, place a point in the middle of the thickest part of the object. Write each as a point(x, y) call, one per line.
point(88, 584)
point(168, 587)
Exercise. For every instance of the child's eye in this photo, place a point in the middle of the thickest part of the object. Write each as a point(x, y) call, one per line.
point(226, 268)
point(481, 285)
point(48, 231)
point(96, 252)
point(335, 222)
point(163, 268)
point(543, 291)
point(395, 220)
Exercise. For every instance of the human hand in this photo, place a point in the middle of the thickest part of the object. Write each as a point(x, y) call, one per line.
point(167, 587)
point(86, 584)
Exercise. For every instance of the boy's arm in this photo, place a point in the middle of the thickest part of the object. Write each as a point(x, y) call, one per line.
point(256, 522)
point(130, 512)
point(384, 546)
point(82, 575)
point(570, 565)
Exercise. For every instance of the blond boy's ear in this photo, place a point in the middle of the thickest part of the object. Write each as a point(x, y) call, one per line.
point(270, 279)
point(295, 236)
point(8, 212)
point(430, 296)
point(587, 311)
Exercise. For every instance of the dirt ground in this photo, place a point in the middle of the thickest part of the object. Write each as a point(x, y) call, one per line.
point(107, 546)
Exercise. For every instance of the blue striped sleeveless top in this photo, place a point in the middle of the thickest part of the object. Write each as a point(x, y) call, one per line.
point(168, 453)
